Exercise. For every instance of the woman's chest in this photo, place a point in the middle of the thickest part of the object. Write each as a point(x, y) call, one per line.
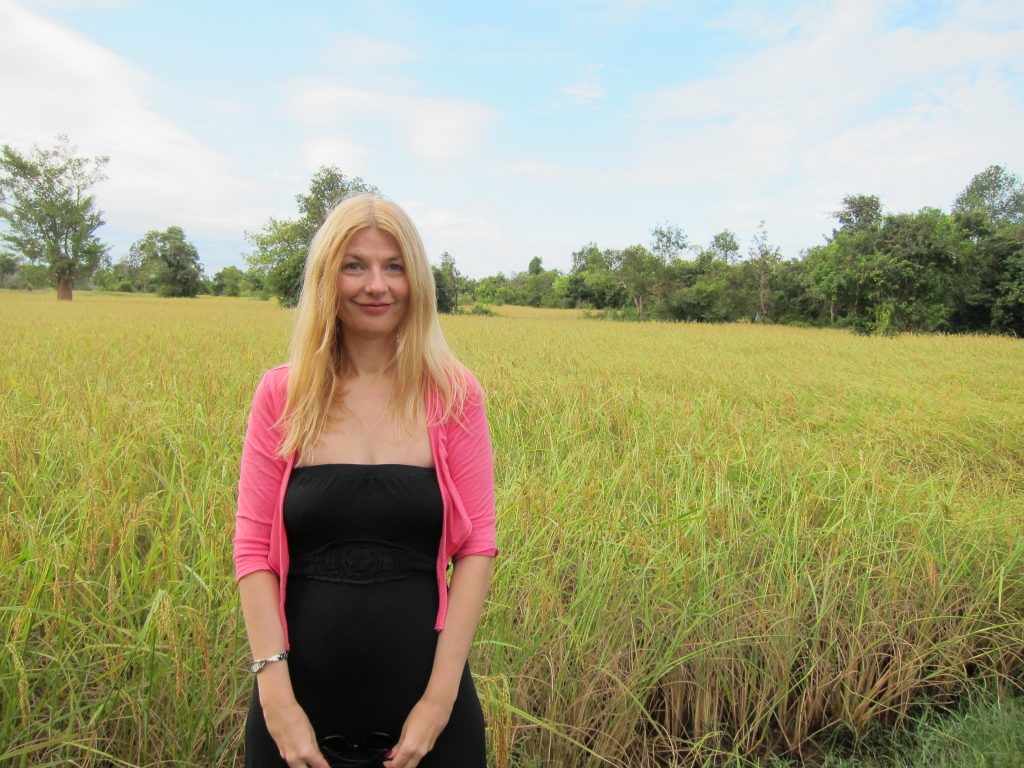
point(371, 436)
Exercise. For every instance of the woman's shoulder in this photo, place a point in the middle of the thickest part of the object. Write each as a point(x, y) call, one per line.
point(273, 385)
point(473, 386)
point(278, 374)
point(466, 393)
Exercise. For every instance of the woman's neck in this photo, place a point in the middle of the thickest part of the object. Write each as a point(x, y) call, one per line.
point(368, 358)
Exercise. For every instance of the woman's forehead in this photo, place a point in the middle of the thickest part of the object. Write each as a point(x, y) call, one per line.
point(373, 242)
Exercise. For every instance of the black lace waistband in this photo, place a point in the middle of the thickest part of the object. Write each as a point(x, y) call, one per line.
point(360, 562)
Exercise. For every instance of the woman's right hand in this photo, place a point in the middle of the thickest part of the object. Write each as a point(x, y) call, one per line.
point(292, 732)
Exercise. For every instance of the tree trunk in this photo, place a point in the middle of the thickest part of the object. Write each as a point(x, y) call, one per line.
point(64, 285)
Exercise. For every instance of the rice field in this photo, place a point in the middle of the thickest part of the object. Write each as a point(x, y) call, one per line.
point(719, 544)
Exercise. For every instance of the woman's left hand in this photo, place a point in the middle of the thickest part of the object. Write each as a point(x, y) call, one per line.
point(419, 732)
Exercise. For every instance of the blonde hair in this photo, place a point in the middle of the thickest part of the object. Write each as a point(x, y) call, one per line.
point(423, 364)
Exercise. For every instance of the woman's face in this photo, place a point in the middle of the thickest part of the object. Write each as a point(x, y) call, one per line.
point(373, 289)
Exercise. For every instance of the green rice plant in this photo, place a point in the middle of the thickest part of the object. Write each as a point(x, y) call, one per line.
point(719, 544)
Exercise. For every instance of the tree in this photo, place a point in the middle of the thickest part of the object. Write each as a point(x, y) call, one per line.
point(997, 192)
point(912, 275)
point(282, 245)
point(590, 258)
point(536, 266)
point(135, 271)
point(638, 271)
point(446, 284)
point(177, 269)
point(492, 290)
point(822, 278)
point(228, 282)
point(8, 268)
point(859, 212)
point(668, 241)
point(1007, 249)
point(764, 260)
point(596, 288)
point(539, 288)
point(725, 246)
point(51, 217)
point(694, 289)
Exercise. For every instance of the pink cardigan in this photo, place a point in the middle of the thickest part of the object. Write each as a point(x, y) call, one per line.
point(465, 472)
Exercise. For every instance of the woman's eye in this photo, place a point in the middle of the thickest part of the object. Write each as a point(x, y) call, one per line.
point(396, 267)
point(351, 266)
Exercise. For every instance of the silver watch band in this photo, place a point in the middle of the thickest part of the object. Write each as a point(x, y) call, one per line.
point(259, 664)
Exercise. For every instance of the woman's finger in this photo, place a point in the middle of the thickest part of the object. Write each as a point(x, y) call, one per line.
point(404, 757)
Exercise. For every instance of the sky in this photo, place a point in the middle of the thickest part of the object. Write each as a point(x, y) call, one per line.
point(523, 128)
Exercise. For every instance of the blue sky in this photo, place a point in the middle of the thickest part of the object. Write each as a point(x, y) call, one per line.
point(519, 129)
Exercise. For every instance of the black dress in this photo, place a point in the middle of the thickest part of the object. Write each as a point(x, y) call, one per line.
point(361, 602)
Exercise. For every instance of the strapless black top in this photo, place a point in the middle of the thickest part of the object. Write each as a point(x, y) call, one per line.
point(362, 523)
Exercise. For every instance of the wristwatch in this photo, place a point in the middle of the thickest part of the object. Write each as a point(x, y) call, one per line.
point(259, 664)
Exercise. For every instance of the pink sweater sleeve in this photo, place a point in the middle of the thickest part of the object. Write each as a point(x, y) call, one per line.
point(259, 484)
point(471, 466)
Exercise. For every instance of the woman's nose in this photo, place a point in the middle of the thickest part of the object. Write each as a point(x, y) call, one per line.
point(376, 282)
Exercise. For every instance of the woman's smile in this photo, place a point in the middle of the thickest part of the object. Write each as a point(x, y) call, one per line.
point(375, 309)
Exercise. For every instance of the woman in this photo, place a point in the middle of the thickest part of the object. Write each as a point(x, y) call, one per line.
point(366, 468)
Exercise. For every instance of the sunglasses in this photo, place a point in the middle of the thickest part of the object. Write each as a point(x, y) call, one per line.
point(367, 752)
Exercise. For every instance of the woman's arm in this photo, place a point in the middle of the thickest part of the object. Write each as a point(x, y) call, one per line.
point(258, 593)
point(260, 476)
point(470, 463)
point(286, 721)
point(471, 579)
point(470, 582)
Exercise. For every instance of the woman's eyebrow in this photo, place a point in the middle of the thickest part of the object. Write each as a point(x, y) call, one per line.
point(355, 255)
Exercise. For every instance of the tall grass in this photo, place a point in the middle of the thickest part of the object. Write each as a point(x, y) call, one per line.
point(733, 540)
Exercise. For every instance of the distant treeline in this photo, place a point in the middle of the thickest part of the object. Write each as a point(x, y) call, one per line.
point(879, 272)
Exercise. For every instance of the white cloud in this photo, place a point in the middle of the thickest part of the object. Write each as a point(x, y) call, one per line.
point(428, 129)
point(56, 81)
point(350, 52)
point(334, 149)
point(583, 92)
point(479, 237)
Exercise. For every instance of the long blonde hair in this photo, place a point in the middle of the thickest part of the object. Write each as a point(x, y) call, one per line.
point(423, 363)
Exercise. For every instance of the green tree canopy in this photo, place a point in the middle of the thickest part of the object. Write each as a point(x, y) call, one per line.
point(281, 246)
point(50, 214)
point(8, 267)
point(859, 212)
point(446, 284)
point(638, 271)
point(668, 241)
point(725, 246)
point(590, 258)
point(762, 264)
point(1005, 251)
point(997, 192)
point(176, 267)
point(228, 282)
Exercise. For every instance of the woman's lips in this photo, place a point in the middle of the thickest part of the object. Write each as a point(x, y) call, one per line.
point(374, 309)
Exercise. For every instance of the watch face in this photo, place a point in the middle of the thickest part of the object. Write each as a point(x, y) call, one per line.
point(256, 666)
